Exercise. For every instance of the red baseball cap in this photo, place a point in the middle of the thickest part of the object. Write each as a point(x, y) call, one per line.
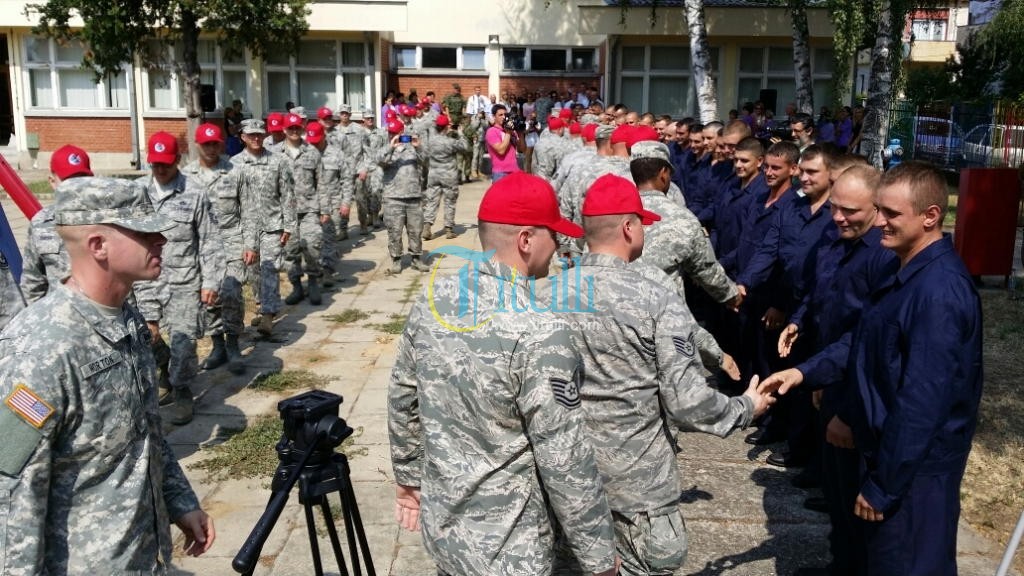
point(315, 133)
point(390, 114)
point(209, 133)
point(293, 120)
point(275, 122)
point(324, 112)
point(69, 161)
point(589, 132)
point(162, 149)
point(574, 128)
point(621, 134)
point(640, 134)
point(611, 194)
point(565, 113)
point(526, 200)
point(395, 127)
point(555, 123)
point(442, 121)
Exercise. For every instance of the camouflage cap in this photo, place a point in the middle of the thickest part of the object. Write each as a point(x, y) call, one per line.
point(253, 126)
point(344, 108)
point(649, 149)
point(92, 200)
point(604, 132)
point(369, 113)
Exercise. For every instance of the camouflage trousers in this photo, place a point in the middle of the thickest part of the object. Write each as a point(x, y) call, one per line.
point(364, 203)
point(176, 307)
point(407, 214)
point(266, 283)
point(477, 148)
point(650, 543)
point(375, 192)
point(226, 317)
point(305, 246)
point(330, 250)
point(432, 200)
point(463, 165)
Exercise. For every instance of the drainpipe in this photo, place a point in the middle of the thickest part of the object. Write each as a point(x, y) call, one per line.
point(133, 112)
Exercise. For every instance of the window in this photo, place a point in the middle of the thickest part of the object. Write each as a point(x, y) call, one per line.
point(657, 79)
point(771, 68)
point(928, 29)
point(224, 70)
point(56, 79)
point(518, 59)
point(322, 73)
point(440, 57)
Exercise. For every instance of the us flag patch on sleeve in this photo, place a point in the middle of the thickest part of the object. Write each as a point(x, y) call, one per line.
point(29, 406)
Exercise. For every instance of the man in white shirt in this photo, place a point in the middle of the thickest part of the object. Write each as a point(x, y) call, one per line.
point(478, 103)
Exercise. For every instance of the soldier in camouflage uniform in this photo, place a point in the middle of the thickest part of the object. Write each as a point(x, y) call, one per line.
point(274, 141)
point(267, 181)
point(217, 176)
point(45, 262)
point(549, 149)
point(454, 105)
point(458, 391)
point(350, 137)
point(642, 375)
point(469, 163)
point(11, 300)
point(678, 244)
point(422, 125)
point(311, 211)
point(193, 270)
point(329, 183)
point(89, 484)
point(403, 196)
point(443, 151)
point(376, 140)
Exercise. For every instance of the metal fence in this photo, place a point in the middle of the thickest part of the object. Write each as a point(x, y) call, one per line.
point(960, 135)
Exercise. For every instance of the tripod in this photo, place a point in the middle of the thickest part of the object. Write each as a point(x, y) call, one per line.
point(319, 472)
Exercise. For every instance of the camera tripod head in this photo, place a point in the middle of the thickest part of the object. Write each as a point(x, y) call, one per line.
point(311, 424)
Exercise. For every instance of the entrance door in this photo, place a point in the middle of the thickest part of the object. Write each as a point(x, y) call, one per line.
point(6, 108)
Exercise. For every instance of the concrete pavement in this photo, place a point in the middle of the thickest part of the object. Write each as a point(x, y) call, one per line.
point(743, 516)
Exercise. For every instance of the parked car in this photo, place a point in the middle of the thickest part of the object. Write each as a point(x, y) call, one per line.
point(995, 145)
point(936, 140)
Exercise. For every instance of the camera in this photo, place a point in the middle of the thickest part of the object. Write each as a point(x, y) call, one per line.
point(311, 422)
point(405, 138)
point(509, 124)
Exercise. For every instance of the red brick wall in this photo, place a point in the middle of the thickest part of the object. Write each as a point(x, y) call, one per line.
point(176, 126)
point(385, 54)
point(92, 134)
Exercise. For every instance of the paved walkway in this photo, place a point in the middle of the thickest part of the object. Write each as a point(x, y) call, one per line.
point(743, 517)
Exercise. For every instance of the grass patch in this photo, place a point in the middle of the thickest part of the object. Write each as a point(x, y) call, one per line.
point(992, 494)
point(394, 326)
point(40, 188)
point(348, 316)
point(411, 291)
point(251, 452)
point(288, 380)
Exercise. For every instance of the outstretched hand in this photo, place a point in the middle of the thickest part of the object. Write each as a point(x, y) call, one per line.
point(786, 340)
point(782, 382)
point(762, 400)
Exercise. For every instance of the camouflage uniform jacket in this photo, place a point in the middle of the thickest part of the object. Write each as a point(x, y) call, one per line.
point(376, 140)
point(571, 162)
point(487, 423)
point(94, 487)
point(547, 153)
point(44, 259)
point(401, 166)
point(678, 245)
point(271, 146)
point(455, 104)
point(194, 252)
point(570, 197)
point(268, 182)
point(329, 179)
point(423, 128)
point(223, 187)
point(642, 376)
point(11, 300)
point(351, 140)
point(305, 166)
point(442, 154)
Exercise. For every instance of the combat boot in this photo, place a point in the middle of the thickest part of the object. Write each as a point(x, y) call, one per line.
point(396, 267)
point(266, 325)
point(297, 294)
point(328, 278)
point(449, 232)
point(314, 291)
point(218, 356)
point(235, 364)
point(418, 264)
point(166, 395)
point(183, 406)
point(343, 231)
point(427, 234)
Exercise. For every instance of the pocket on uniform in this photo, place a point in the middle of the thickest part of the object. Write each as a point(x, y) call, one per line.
point(666, 549)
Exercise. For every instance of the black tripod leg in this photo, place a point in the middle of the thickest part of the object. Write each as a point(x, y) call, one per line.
point(350, 510)
point(332, 531)
point(314, 546)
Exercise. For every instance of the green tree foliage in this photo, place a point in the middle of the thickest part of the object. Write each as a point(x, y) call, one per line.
point(929, 83)
point(992, 60)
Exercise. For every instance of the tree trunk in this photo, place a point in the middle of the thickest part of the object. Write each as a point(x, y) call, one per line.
point(876, 114)
point(801, 57)
point(700, 57)
point(190, 72)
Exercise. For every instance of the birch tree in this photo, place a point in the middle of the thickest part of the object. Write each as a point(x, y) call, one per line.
point(876, 118)
point(801, 56)
point(700, 58)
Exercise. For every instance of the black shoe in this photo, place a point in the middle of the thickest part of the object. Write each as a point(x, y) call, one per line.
point(816, 504)
point(297, 294)
point(784, 460)
point(235, 363)
point(806, 480)
point(761, 437)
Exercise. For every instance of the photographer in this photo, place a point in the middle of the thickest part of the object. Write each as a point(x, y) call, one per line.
point(502, 142)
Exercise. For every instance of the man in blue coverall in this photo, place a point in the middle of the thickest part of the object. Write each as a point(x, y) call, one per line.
point(913, 382)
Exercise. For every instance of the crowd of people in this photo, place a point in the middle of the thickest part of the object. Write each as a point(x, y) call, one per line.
point(729, 277)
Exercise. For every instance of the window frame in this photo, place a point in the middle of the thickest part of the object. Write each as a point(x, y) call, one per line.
point(646, 73)
point(218, 67)
point(418, 67)
point(53, 67)
point(339, 70)
point(766, 75)
point(567, 71)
